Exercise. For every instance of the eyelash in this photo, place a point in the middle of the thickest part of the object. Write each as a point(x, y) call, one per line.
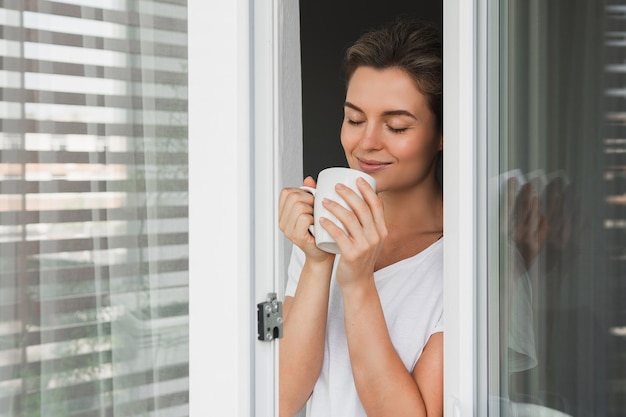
point(391, 129)
point(398, 131)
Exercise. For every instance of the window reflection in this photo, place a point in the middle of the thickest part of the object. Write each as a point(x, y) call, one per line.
point(560, 283)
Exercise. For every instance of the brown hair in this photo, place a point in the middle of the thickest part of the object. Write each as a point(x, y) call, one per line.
point(412, 46)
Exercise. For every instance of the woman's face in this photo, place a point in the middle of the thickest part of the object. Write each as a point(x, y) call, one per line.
point(388, 129)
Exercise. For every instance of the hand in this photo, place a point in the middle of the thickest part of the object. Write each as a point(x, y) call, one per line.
point(528, 224)
point(366, 231)
point(295, 216)
point(559, 218)
point(568, 223)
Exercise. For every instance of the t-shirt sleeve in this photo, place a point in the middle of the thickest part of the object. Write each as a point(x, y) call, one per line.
point(294, 270)
point(438, 326)
point(437, 293)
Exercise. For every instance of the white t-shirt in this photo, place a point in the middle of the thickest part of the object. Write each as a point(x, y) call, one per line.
point(521, 334)
point(411, 294)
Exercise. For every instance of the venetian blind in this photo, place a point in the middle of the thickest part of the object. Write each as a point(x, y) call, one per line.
point(93, 208)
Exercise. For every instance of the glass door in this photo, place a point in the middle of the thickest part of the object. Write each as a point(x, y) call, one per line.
point(556, 282)
point(94, 277)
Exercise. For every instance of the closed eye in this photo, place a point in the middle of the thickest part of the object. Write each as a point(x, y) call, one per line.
point(394, 130)
point(354, 122)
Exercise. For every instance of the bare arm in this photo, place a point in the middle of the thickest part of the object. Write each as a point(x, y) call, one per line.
point(302, 346)
point(384, 385)
point(304, 328)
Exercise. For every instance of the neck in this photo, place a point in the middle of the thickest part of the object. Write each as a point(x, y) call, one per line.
point(416, 209)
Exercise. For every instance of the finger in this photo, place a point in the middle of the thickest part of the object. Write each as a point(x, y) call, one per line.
point(348, 246)
point(286, 192)
point(294, 202)
point(288, 196)
point(310, 182)
point(359, 234)
point(300, 208)
point(296, 229)
point(529, 215)
point(333, 229)
point(523, 203)
point(525, 194)
point(301, 227)
point(375, 203)
point(360, 209)
point(344, 216)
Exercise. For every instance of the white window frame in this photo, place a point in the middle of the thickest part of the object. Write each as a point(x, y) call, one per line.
point(471, 114)
point(245, 144)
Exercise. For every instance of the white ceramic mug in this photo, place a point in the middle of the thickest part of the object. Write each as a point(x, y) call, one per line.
point(326, 182)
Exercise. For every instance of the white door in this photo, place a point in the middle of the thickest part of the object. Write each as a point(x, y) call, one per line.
point(464, 214)
point(558, 279)
point(245, 145)
point(534, 265)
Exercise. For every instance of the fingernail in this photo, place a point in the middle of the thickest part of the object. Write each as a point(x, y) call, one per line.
point(340, 186)
point(360, 180)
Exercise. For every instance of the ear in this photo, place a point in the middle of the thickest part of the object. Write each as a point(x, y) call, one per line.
point(441, 142)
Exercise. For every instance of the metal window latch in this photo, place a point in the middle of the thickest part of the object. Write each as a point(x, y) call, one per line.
point(270, 318)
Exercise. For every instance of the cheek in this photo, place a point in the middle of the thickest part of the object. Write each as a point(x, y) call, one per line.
point(347, 139)
point(425, 145)
point(417, 153)
point(409, 149)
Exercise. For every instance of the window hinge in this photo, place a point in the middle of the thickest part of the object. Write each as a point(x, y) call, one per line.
point(270, 318)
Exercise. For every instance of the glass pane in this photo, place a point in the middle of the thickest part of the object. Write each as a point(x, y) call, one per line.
point(94, 208)
point(560, 286)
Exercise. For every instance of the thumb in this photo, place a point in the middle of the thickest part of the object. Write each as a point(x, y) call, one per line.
point(309, 182)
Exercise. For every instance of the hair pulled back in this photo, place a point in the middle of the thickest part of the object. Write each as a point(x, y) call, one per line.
point(412, 46)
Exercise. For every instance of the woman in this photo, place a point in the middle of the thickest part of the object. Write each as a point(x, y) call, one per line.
point(363, 331)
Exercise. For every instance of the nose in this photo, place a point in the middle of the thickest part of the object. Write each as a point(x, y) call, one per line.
point(371, 138)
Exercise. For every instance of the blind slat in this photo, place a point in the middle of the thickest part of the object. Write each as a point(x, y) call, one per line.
point(58, 97)
point(129, 18)
point(65, 186)
point(77, 275)
point(87, 215)
point(139, 47)
point(59, 307)
point(134, 75)
point(95, 243)
point(66, 157)
point(100, 129)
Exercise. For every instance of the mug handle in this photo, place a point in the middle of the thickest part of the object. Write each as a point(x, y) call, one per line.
point(312, 191)
point(309, 189)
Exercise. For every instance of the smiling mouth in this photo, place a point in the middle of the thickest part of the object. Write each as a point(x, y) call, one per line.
point(368, 165)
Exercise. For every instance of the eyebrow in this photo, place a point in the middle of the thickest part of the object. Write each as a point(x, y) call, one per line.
point(386, 113)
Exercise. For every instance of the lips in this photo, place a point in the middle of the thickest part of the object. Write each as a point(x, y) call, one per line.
point(371, 165)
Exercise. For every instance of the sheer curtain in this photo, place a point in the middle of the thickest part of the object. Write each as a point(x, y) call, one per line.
point(93, 208)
